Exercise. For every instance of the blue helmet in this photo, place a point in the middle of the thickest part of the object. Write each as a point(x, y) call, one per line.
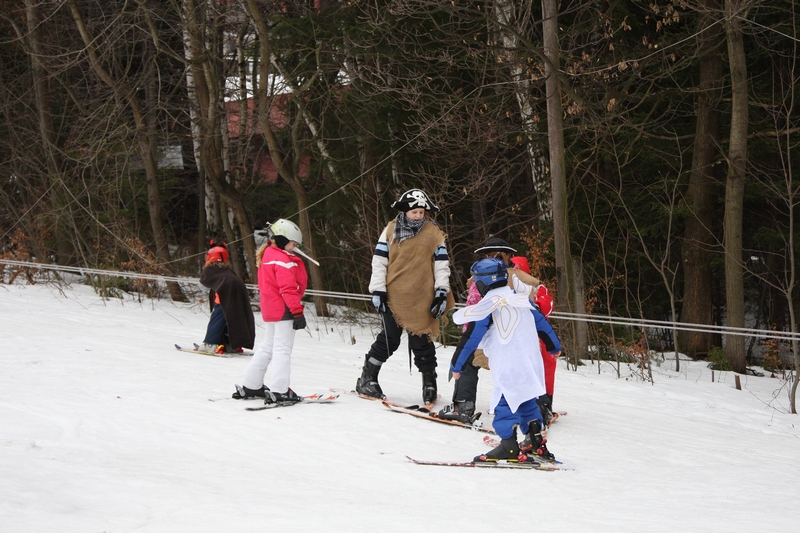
point(488, 274)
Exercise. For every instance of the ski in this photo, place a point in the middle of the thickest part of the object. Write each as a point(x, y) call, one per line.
point(425, 408)
point(243, 353)
point(556, 416)
point(426, 414)
point(197, 350)
point(527, 464)
point(194, 350)
point(313, 398)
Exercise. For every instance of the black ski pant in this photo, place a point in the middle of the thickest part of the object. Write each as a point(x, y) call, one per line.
point(466, 387)
point(388, 341)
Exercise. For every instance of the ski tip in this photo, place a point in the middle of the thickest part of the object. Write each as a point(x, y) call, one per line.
point(321, 397)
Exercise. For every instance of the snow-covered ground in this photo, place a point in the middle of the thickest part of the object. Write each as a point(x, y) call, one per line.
point(105, 427)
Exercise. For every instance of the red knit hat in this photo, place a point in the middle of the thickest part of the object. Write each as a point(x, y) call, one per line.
point(521, 263)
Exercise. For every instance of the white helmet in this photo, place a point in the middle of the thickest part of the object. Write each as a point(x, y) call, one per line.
point(287, 229)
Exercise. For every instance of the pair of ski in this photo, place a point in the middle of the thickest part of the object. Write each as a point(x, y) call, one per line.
point(524, 462)
point(427, 414)
point(427, 408)
point(529, 463)
point(476, 425)
point(197, 350)
point(270, 403)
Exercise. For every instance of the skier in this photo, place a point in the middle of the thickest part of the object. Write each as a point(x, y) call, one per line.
point(506, 325)
point(231, 326)
point(543, 300)
point(466, 386)
point(410, 286)
point(282, 281)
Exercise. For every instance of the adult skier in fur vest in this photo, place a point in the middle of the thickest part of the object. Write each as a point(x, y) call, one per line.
point(507, 326)
point(231, 326)
point(410, 288)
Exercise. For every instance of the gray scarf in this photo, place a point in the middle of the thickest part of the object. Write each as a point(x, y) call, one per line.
point(404, 228)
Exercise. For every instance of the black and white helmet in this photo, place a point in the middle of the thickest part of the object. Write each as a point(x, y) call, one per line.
point(413, 199)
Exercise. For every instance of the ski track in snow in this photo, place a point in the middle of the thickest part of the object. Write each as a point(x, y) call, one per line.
point(105, 427)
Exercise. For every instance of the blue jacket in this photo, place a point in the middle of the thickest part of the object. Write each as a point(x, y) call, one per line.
point(476, 330)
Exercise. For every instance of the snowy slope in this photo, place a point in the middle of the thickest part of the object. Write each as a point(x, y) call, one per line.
point(105, 427)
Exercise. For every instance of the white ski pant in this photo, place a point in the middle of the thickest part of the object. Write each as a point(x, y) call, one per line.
point(275, 353)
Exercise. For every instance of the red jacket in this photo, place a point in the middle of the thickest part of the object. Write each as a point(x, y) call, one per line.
point(282, 281)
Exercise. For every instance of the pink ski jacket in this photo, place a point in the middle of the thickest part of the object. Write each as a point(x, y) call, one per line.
point(282, 281)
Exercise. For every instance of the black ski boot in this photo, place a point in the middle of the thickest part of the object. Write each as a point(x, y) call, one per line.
point(538, 444)
point(462, 410)
point(243, 393)
point(545, 402)
point(367, 384)
point(429, 391)
point(508, 450)
point(288, 396)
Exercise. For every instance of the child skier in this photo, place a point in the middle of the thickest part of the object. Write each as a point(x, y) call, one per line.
point(541, 297)
point(231, 326)
point(466, 386)
point(506, 326)
point(282, 281)
point(410, 285)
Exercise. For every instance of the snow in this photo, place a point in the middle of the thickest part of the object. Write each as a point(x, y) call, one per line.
point(105, 427)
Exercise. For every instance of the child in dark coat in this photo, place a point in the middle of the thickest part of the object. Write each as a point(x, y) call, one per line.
point(231, 326)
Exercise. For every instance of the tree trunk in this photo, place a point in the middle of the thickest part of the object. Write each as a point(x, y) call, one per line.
point(276, 154)
point(211, 121)
point(698, 238)
point(734, 187)
point(64, 248)
point(146, 150)
point(558, 178)
point(208, 218)
point(510, 27)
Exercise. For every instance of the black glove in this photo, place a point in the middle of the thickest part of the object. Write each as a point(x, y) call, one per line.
point(379, 301)
point(299, 322)
point(439, 303)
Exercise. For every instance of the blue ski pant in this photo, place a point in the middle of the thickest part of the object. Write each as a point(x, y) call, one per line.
point(217, 330)
point(505, 419)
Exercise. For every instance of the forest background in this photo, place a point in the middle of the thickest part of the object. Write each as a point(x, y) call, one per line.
point(640, 153)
